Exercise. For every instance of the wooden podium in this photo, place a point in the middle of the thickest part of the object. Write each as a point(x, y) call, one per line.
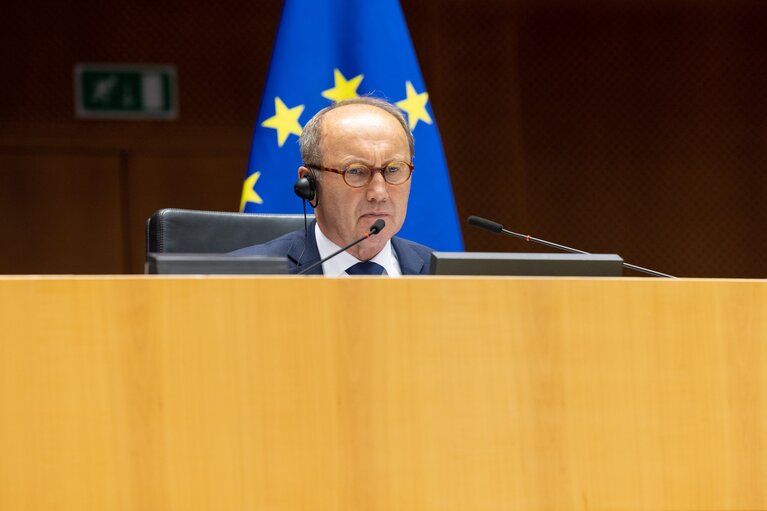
point(443, 394)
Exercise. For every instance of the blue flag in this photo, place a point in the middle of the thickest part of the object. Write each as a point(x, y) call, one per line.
point(329, 50)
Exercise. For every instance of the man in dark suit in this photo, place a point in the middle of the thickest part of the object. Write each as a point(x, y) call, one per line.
point(357, 168)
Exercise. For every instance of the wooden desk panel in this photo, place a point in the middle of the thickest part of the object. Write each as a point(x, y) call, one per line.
point(136, 393)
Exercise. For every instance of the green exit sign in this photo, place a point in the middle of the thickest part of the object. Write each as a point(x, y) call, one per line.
point(121, 91)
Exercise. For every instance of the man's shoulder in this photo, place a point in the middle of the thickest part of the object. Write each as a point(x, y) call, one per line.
point(414, 258)
point(277, 247)
point(422, 250)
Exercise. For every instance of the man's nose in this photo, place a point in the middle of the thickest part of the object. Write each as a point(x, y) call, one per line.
point(377, 190)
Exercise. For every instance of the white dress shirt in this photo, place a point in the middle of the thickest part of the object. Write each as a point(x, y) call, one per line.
point(336, 267)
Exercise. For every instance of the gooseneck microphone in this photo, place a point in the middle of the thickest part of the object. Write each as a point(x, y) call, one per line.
point(377, 227)
point(489, 225)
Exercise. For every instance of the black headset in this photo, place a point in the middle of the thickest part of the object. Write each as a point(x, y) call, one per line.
point(306, 188)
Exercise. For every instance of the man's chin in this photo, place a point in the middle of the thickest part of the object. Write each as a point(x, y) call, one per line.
point(371, 247)
point(367, 221)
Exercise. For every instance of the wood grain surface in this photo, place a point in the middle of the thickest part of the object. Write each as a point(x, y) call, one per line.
point(280, 394)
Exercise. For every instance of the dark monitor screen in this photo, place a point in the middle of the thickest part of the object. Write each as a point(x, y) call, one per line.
point(214, 264)
point(521, 264)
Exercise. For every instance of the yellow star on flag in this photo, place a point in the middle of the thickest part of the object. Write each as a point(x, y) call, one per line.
point(284, 120)
point(249, 191)
point(343, 89)
point(415, 106)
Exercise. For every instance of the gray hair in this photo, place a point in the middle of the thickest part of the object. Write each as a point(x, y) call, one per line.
point(310, 141)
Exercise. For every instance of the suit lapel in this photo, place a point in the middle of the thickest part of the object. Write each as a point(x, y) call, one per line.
point(409, 261)
point(307, 253)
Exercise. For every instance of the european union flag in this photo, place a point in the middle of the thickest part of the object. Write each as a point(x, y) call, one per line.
point(329, 50)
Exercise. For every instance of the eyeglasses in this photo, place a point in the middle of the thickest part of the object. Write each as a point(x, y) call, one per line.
point(358, 175)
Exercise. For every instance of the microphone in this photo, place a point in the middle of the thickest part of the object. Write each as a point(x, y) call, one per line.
point(489, 225)
point(377, 227)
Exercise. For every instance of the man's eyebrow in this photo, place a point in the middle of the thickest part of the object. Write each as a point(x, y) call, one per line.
point(348, 160)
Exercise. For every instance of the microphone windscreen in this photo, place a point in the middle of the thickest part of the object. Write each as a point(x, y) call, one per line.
point(377, 226)
point(484, 223)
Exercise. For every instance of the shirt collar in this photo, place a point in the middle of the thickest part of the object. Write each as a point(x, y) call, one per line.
point(336, 266)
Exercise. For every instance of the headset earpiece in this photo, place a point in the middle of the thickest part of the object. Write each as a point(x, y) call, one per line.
point(306, 188)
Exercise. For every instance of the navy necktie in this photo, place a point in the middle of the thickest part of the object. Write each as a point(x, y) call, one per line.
point(366, 268)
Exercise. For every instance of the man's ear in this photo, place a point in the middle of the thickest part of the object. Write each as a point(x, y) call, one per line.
point(306, 186)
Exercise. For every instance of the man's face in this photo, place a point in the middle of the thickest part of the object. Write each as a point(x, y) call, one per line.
point(371, 136)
